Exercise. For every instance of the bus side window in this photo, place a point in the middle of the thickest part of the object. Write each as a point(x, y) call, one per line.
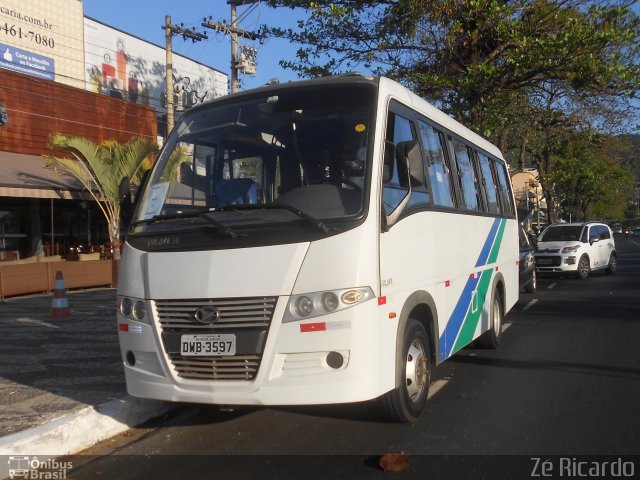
point(489, 183)
point(503, 188)
point(466, 177)
point(436, 165)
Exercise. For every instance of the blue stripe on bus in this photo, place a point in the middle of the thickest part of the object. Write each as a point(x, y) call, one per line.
point(484, 254)
point(459, 313)
point(457, 317)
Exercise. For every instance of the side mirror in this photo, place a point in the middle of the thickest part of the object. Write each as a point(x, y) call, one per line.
point(411, 154)
point(402, 152)
point(593, 240)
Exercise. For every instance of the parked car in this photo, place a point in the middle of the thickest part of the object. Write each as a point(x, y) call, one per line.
point(528, 275)
point(635, 232)
point(578, 248)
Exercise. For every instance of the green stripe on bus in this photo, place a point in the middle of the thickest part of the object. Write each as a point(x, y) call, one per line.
point(471, 320)
point(493, 256)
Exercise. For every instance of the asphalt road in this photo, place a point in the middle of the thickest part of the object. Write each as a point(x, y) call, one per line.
point(564, 384)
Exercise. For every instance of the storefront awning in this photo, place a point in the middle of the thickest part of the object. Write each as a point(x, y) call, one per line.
point(25, 176)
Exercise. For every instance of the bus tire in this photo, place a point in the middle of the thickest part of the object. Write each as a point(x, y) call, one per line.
point(491, 338)
point(405, 402)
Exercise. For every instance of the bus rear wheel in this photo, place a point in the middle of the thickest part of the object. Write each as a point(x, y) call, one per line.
point(491, 338)
point(406, 402)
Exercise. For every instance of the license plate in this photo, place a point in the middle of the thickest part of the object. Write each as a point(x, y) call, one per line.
point(544, 261)
point(207, 345)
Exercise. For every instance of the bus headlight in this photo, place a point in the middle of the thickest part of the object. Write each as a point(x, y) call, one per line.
point(139, 310)
point(314, 304)
point(126, 307)
point(303, 306)
point(330, 301)
point(132, 309)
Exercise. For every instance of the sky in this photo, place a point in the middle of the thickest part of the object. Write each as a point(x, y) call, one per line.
point(145, 19)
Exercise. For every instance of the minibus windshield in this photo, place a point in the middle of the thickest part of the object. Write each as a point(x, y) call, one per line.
point(289, 155)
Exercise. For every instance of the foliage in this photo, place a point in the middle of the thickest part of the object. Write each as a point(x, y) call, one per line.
point(100, 168)
point(591, 178)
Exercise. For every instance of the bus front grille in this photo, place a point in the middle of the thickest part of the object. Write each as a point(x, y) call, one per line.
point(247, 318)
point(243, 367)
point(180, 315)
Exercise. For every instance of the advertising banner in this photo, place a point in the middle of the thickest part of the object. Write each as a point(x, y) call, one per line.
point(30, 63)
point(124, 66)
point(43, 38)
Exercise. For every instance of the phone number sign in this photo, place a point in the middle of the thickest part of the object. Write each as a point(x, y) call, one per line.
point(30, 63)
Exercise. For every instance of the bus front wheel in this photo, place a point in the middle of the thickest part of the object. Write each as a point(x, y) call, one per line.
point(406, 402)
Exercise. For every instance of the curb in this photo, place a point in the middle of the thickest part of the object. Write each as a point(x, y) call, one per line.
point(82, 429)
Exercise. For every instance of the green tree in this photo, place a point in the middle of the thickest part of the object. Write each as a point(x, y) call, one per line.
point(100, 168)
point(590, 178)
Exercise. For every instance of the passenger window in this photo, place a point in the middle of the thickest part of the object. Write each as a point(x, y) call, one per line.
point(503, 188)
point(437, 166)
point(466, 176)
point(401, 144)
point(488, 183)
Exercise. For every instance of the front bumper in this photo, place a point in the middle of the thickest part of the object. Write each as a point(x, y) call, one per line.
point(557, 263)
point(297, 366)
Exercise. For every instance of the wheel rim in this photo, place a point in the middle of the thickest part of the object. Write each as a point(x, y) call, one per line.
point(584, 267)
point(497, 318)
point(613, 264)
point(416, 370)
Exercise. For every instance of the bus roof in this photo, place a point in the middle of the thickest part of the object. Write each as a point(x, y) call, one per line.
point(387, 88)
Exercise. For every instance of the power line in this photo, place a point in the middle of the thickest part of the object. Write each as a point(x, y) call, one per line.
point(246, 61)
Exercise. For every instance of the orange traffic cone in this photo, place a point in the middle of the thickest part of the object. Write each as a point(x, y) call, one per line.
point(59, 303)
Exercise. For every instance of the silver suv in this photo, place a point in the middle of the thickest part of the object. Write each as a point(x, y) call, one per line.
point(576, 247)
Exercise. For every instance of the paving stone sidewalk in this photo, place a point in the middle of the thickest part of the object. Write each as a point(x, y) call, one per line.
point(51, 368)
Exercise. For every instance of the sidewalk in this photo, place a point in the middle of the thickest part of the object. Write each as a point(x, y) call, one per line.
point(62, 384)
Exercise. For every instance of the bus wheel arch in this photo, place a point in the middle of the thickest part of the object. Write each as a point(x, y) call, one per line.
point(416, 353)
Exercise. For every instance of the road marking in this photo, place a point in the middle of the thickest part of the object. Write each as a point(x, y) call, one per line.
point(436, 386)
point(505, 327)
point(32, 321)
point(552, 285)
point(530, 304)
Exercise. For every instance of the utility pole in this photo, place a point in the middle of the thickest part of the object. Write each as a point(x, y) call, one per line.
point(170, 30)
point(233, 31)
point(169, 72)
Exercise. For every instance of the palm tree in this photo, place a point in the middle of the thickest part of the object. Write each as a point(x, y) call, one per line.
point(101, 168)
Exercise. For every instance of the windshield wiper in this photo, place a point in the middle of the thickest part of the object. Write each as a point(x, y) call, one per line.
point(219, 227)
point(319, 224)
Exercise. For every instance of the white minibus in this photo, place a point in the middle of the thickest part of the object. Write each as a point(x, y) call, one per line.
point(316, 242)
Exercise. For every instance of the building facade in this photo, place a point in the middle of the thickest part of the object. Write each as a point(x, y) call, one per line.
point(61, 72)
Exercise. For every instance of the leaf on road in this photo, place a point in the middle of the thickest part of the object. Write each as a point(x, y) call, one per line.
point(394, 462)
